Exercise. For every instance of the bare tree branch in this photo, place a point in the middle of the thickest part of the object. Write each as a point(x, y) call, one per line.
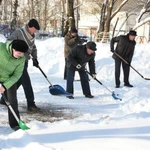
point(141, 23)
point(146, 8)
point(119, 8)
point(78, 5)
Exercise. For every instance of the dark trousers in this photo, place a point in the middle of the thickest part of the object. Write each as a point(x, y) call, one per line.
point(84, 81)
point(126, 71)
point(65, 69)
point(26, 83)
point(11, 95)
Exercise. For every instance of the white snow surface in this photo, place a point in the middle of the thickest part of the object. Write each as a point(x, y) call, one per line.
point(103, 123)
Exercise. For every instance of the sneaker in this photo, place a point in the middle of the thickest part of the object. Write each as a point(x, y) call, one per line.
point(33, 108)
point(128, 85)
point(89, 96)
point(16, 128)
point(70, 97)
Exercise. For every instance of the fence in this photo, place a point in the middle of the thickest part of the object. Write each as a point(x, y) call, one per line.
point(104, 37)
point(141, 39)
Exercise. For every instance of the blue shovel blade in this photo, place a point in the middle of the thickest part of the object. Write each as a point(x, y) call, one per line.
point(58, 90)
point(115, 97)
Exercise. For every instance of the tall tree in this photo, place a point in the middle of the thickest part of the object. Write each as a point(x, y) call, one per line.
point(63, 17)
point(15, 15)
point(107, 14)
point(70, 22)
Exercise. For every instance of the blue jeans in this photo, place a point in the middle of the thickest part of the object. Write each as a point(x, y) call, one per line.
point(84, 81)
point(26, 83)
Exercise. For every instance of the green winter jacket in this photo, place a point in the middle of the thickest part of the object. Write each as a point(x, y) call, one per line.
point(10, 67)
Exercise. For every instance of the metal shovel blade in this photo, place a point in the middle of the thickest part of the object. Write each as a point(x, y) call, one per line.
point(58, 90)
point(22, 125)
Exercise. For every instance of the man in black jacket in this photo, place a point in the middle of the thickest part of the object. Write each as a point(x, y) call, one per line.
point(77, 59)
point(125, 48)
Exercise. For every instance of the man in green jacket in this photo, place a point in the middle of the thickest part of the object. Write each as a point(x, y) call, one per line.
point(11, 66)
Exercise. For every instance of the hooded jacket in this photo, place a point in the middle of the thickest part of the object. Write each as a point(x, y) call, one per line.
point(79, 55)
point(71, 42)
point(10, 67)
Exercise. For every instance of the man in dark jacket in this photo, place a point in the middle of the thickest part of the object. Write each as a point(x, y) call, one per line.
point(27, 34)
point(125, 48)
point(71, 40)
point(77, 60)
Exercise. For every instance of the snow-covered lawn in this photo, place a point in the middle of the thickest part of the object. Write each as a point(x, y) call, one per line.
point(102, 122)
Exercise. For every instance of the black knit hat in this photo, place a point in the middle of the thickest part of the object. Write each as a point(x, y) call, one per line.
point(91, 45)
point(34, 23)
point(19, 45)
point(74, 30)
point(133, 33)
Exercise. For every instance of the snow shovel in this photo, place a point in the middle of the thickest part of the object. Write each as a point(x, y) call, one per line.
point(20, 122)
point(55, 89)
point(112, 92)
point(130, 66)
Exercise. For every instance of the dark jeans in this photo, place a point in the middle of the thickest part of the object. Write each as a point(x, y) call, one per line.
point(11, 95)
point(84, 81)
point(65, 69)
point(126, 71)
point(26, 83)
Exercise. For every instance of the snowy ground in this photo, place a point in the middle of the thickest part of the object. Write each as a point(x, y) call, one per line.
point(89, 124)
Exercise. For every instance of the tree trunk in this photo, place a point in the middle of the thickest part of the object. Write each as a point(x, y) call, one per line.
point(70, 23)
point(115, 27)
point(108, 20)
point(102, 22)
point(1, 11)
point(14, 20)
point(110, 16)
point(63, 18)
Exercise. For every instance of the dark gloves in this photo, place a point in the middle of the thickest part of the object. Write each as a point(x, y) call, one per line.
point(112, 50)
point(35, 62)
point(85, 40)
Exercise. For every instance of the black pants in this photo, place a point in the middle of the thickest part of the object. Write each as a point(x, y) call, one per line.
point(84, 81)
point(26, 83)
point(65, 69)
point(126, 71)
point(10, 94)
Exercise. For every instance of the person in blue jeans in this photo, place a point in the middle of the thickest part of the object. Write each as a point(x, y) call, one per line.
point(77, 59)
